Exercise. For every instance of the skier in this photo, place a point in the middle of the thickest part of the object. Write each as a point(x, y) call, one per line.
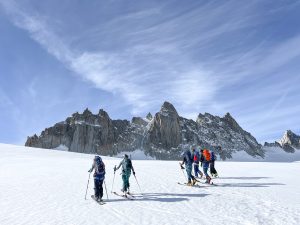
point(99, 176)
point(213, 171)
point(188, 161)
point(196, 158)
point(126, 172)
point(205, 163)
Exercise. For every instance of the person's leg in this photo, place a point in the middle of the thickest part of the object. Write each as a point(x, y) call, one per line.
point(96, 188)
point(124, 182)
point(101, 189)
point(127, 181)
point(196, 169)
point(188, 172)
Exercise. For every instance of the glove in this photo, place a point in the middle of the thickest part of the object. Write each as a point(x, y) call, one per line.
point(90, 170)
point(115, 169)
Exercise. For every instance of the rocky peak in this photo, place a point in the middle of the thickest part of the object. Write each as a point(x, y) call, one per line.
point(165, 129)
point(167, 108)
point(291, 139)
point(231, 122)
point(103, 113)
point(149, 116)
point(87, 112)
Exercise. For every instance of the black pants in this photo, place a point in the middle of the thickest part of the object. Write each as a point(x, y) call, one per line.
point(98, 188)
point(212, 168)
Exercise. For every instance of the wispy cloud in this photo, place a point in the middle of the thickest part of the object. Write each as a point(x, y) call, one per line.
point(192, 55)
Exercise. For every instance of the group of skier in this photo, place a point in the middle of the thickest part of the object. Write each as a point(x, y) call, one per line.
point(191, 160)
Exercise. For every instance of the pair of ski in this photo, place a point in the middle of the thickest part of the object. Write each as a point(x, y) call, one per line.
point(99, 202)
point(127, 196)
point(196, 185)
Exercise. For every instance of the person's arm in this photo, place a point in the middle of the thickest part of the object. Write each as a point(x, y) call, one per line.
point(132, 169)
point(118, 167)
point(93, 166)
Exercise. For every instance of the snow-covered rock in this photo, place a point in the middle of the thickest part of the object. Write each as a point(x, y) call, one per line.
point(290, 142)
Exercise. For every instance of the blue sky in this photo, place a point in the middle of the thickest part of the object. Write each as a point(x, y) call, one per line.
point(128, 57)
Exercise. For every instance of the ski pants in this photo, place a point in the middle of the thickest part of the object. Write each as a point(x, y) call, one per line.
point(205, 169)
point(98, 188)
point(197, 170)
point(188, 169)
point(212, 168)
point(125, 178)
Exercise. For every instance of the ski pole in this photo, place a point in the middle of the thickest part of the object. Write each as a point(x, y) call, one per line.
point(182, 172)
point(138, 184)
point(105, 190)
point(87, 186)
point(112, 186)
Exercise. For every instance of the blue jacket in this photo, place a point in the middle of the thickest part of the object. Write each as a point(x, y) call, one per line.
point(188, 158)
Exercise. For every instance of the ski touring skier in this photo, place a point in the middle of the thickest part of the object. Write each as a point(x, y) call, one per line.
point(99, 176)
point(126, 164)
point(212, 168)
point(188, 161)
point(196, 160)
point(205, 164)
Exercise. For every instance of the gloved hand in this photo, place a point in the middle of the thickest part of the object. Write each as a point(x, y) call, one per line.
point(181, 167)
point(115, 169)
point(90, 170)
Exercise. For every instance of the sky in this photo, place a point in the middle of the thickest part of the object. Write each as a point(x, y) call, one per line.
point(128, 57)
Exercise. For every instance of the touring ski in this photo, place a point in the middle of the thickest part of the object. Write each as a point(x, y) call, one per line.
point(99, 202)
point(127, 196)
point(185, 184)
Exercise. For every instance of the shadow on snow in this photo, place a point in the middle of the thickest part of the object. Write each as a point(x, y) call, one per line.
point(160, 197)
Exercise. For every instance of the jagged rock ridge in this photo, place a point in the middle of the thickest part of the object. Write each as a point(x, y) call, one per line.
point(163, 136)
point(290, 142)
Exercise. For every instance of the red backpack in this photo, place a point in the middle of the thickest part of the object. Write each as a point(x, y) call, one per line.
point(206, 154)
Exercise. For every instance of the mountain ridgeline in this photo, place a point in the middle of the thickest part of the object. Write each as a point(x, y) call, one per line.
point(162, 136)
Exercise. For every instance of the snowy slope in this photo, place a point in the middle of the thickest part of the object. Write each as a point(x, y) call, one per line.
point(39, 186)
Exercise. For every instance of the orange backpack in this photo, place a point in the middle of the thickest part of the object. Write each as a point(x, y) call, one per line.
point(206, 154)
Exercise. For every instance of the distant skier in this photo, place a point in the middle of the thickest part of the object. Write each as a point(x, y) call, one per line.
point(99, 175)
point(205, 164)
point(213, 171)
point(196, 160)
point(188, 161)
point(126, 172)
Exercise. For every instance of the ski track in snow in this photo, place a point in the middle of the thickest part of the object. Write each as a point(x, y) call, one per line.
point(39, 186)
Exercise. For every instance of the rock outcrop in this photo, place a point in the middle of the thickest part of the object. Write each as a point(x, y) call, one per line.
point(164, 136)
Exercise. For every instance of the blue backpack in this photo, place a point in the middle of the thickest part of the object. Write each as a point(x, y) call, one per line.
point(99, 168)
point(213, 157)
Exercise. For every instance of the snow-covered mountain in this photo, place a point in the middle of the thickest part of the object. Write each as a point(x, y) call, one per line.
point(48, 187)
point(162, 136)
point(290, 142)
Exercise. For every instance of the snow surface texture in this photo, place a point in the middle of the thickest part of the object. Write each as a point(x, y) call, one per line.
point(272, 154)
point(39, 186)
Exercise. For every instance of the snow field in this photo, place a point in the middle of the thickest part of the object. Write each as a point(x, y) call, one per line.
point(39, 186)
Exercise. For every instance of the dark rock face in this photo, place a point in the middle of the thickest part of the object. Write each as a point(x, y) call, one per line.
point(290, 142)
point(165, 130)
point(164, 136)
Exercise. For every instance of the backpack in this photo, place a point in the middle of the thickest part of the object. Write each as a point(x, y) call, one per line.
point(207, 155)
point(99, 166)
point(128, 164)
point(196, 157)
point(213, 157)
